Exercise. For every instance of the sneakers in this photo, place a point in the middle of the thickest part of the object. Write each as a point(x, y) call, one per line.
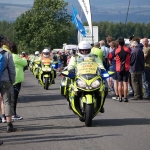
point(125, 100)
point(120, 99)
point(16, 117)
point(115, 98)
point(4, 120)
point(10, 128)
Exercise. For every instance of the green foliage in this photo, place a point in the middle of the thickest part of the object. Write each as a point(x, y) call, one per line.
point(45, 25)
point(6, 28)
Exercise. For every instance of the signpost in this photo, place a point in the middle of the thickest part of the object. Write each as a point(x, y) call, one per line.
point(88, 37)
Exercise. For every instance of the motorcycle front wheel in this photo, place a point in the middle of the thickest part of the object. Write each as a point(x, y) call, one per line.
point(46, 83)
point(89, 114)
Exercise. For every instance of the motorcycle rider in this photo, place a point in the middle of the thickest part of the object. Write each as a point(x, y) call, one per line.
point(45, 58)
point(84, 50)
point(35, 60)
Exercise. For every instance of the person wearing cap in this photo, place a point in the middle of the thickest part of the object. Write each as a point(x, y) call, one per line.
point(7, 81)
point(97, 51)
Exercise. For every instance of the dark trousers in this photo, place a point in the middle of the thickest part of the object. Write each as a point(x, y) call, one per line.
point(17, 88)
point(147, 82)
point(136, 79)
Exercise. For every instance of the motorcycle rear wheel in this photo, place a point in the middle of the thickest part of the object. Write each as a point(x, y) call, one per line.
point(89, 114)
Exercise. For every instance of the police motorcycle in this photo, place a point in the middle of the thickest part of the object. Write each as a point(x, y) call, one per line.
point(31, 66)
point(85, 90)
point(36, 67)
point(36, 64)
point(46, 73)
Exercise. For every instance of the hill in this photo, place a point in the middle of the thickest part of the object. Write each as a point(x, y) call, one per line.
point(102, 10)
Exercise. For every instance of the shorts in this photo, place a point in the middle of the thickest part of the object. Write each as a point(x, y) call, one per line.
point(122, 76)
point(115, 76)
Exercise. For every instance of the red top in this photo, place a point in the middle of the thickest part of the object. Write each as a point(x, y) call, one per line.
point(122, 54)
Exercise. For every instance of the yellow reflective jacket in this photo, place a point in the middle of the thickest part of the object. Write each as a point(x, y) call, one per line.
point(76, 59)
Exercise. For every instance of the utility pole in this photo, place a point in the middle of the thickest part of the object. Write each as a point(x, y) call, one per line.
point(126, 18)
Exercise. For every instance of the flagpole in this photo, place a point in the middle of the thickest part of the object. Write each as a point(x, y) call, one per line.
point(91, 25)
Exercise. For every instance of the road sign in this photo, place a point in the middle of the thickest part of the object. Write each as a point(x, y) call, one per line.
point(89, 35)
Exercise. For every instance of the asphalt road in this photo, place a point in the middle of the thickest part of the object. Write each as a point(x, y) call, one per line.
point(48, 124)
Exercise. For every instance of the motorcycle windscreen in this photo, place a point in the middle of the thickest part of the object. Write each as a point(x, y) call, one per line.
point(87, 68)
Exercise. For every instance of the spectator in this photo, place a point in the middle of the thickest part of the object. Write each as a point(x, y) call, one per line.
point(2, 109)
point(63, 59)
point(105, 51)
point(146, 51)
point(20, 63)
point(7, 81)
point(97, 51)
point(112, 62)
point(109, 39)
point(122, 54)
point(140, 45)
point(136, 69)
point(6, 44)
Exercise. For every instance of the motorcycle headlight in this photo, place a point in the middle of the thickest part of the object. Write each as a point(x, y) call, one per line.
point(95, 84)
point(49, 69)
point(43, 69)
point(81, 83)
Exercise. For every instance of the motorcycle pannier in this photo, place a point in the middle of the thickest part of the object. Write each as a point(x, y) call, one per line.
point(64, 85)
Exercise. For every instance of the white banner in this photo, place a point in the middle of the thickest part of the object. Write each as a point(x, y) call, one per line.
point(85, 4)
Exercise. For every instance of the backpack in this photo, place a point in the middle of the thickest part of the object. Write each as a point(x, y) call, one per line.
point(2, 62)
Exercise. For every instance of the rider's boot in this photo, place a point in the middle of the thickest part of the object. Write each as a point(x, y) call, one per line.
point(106, 92)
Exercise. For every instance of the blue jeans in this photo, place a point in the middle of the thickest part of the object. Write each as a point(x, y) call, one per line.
point(146, 81)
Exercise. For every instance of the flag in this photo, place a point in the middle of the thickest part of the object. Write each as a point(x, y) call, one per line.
point(85, 5)
point(77, 22)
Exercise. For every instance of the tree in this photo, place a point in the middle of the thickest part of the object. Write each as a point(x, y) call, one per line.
point(45, 25)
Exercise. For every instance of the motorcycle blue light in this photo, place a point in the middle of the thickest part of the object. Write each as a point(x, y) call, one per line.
point(105, 75)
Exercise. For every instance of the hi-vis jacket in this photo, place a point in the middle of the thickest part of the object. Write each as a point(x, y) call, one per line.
point(44, 60)
point(78, 59)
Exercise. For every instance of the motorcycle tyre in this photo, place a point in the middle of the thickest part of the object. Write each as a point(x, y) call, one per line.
point(82, 119)
point(89, 115)
point(46, 83)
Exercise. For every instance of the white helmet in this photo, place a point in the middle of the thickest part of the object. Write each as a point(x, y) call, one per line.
point(46, 52)
point(37, 53)
point(84, 45)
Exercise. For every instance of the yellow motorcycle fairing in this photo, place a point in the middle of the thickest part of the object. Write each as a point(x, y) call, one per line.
point(45, 70)
point(88, 82)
